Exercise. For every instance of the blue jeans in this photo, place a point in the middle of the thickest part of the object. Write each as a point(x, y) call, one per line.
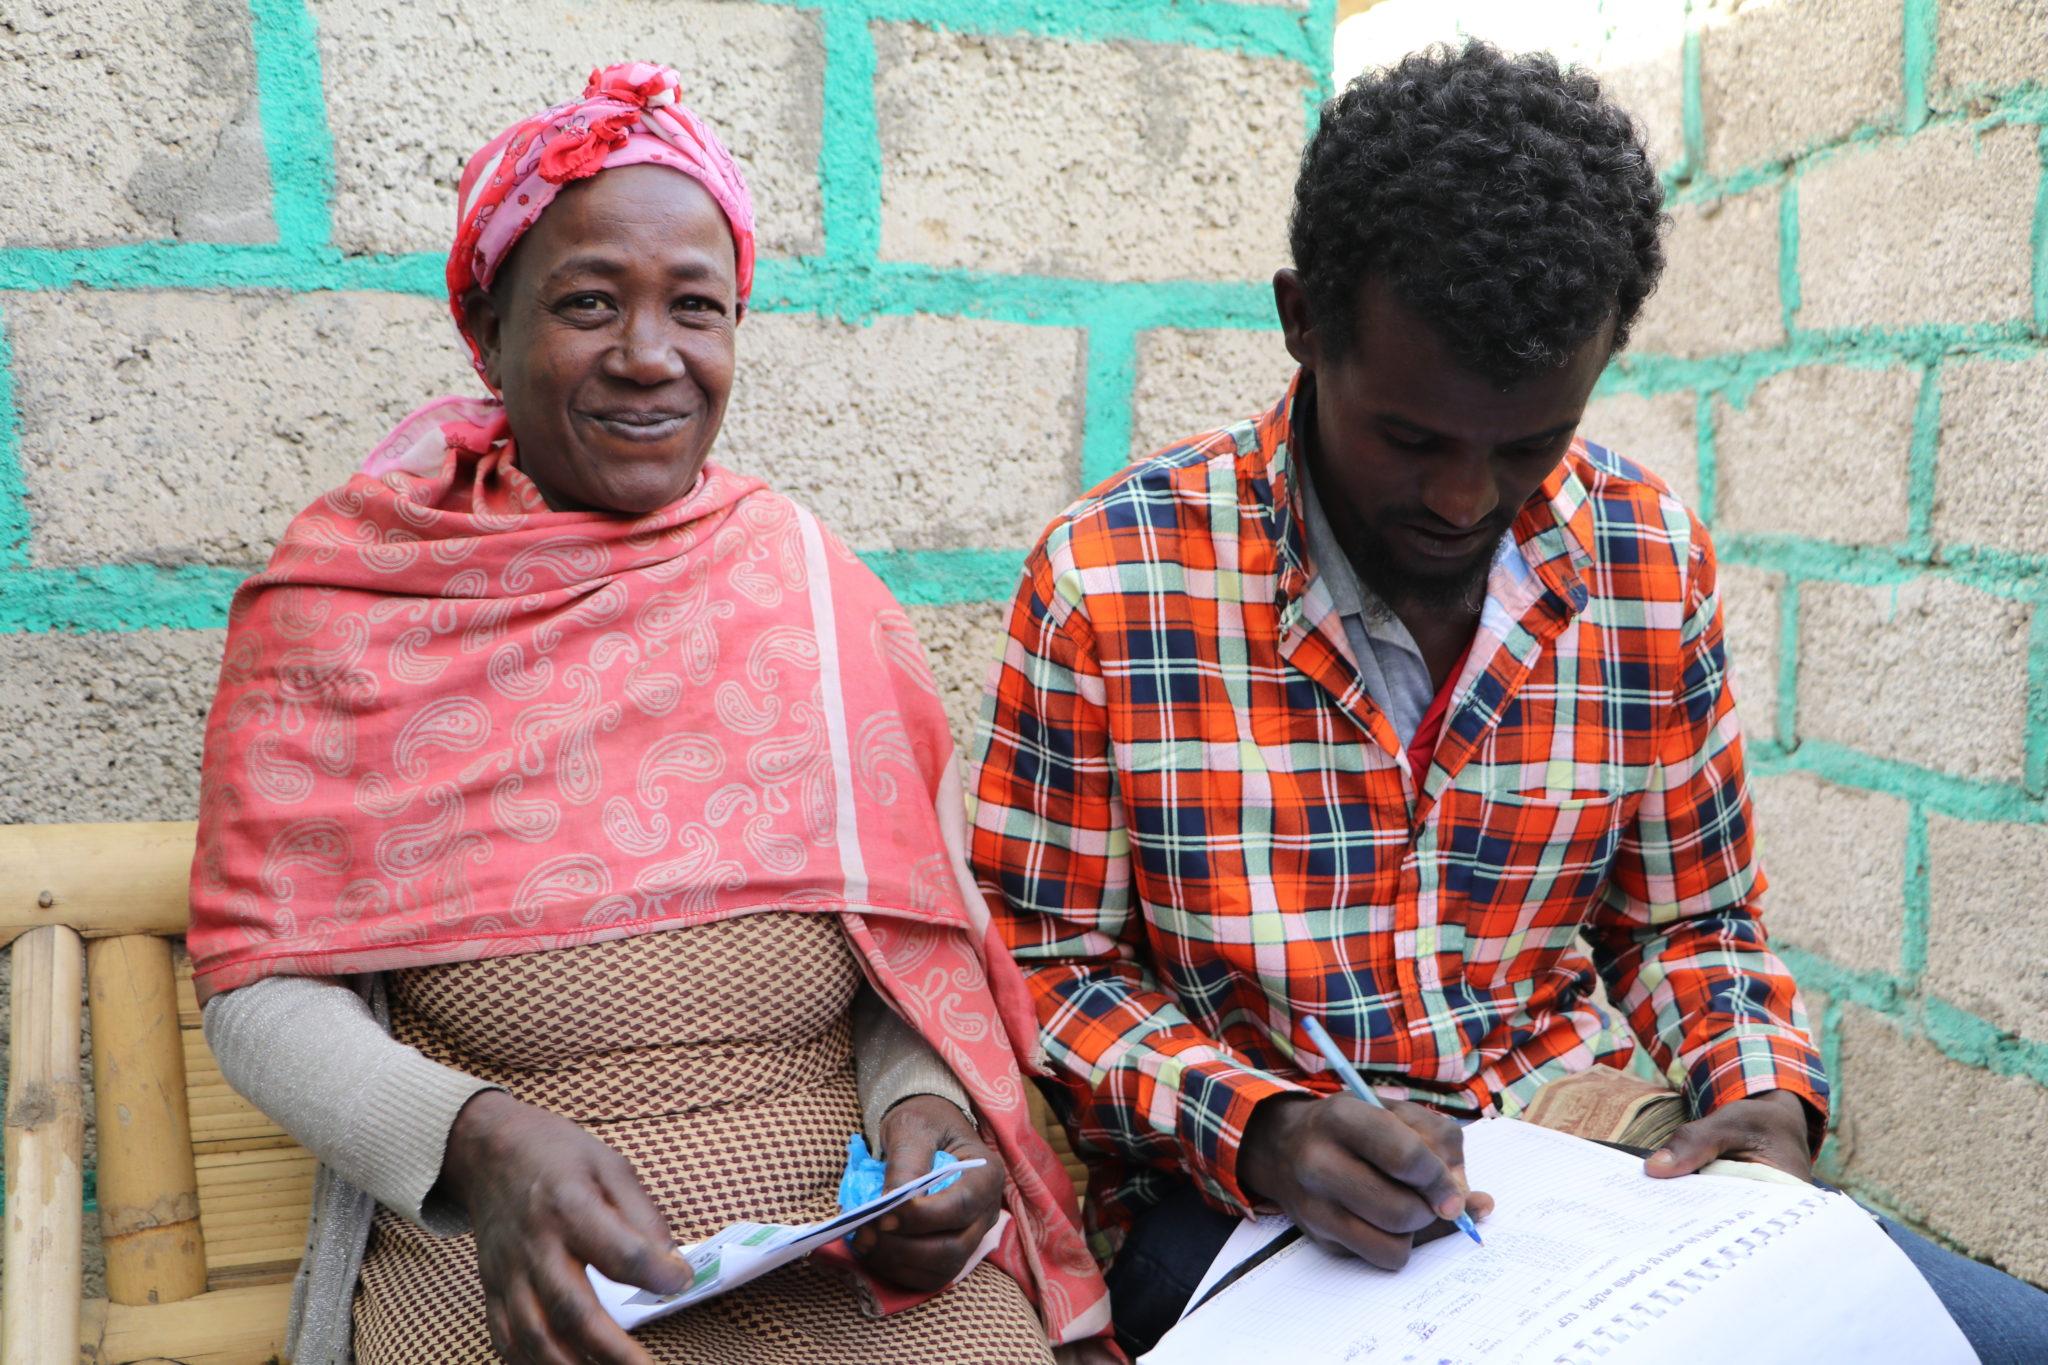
point(1171, 1244)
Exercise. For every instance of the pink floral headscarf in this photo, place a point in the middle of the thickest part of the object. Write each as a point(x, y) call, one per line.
point(630, 114)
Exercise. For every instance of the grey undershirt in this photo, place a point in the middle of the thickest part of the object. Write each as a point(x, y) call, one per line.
point(1390, 663)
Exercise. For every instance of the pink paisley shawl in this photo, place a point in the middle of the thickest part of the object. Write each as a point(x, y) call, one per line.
point(454, 724)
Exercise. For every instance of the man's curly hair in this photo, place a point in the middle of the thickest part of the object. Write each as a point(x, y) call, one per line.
point(1501, 197)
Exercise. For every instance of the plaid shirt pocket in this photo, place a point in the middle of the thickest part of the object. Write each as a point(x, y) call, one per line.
point(1522, 867)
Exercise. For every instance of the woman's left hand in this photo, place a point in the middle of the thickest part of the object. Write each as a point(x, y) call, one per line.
point(924, 1244)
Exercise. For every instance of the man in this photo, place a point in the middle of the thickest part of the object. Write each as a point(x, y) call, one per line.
point(1374, 707)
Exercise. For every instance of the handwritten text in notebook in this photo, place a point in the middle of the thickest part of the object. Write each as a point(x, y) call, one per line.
point(1589, 1260)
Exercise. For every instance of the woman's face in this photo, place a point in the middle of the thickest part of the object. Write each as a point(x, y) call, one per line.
point(609, 331)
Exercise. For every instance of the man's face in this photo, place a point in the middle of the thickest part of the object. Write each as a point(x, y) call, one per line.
point(1420, 463)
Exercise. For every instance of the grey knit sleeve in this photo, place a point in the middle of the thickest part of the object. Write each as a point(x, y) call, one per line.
point(308, 1052)
point(893, 1062)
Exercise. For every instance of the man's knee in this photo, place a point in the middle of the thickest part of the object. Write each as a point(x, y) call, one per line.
point(2004, 1319)
point(1162, 1259)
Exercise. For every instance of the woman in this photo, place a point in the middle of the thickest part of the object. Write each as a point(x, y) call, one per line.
point(579, 838)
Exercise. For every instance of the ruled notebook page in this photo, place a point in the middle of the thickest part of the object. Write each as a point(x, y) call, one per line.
point(1588, 1259)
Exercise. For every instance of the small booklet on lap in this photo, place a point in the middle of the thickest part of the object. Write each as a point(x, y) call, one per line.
point(746, 1251)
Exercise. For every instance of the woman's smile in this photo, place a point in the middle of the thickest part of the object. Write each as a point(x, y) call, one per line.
point(638, 426)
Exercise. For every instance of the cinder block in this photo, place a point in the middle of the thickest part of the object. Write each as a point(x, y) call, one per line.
point(1660, 432)
point(173, 427)
point(413, 90)
point(1930, 1136)
point(1720, 287)
point(1652, 88)
point(1991, 478)
point(129, 121)
point(1934, 228)
point(1930, 672)
point(1750, 612)
point(1987, 939)
point(1777, 79)
point(911, 432)
point(105, 726)
point(1129, 161)
point(1836, 859)
point(1818, 451)
point(1191, 382)
point(963, 642)
point(1988, 44)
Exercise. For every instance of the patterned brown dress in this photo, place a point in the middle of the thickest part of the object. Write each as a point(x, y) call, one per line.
point(719, 1061)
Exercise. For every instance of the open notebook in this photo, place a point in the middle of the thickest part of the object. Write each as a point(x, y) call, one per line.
point(1589, 1260)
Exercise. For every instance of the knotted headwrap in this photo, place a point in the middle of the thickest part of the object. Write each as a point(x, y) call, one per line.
point(630, 114)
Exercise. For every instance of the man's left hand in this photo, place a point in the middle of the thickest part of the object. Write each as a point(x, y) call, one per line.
point(924, 1244)
point(1770, 1128)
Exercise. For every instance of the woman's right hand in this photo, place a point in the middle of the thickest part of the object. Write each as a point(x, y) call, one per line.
point(546, 1199)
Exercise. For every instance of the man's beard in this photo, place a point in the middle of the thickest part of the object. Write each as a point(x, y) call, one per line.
point(1457, 589)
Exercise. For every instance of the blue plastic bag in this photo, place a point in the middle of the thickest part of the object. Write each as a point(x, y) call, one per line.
point(862, 1180)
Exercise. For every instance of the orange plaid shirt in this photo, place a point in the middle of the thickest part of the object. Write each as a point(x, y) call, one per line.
point(1194, 826)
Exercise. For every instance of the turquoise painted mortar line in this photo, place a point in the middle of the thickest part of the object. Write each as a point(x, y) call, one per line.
point(292, 101)
point(207, 265)
point(1918, 900)
point(1978, 1042)
point(850, 152)
point(804, 284)
point(941, 578)
point(1255, 30)
point(1987, 109)
point(1997, 572)
point(1921, 454)
point(1692, 121)
point(2037, 702)
point(1110, 390)
point(2040, 235)
point(14, 523)
point(1706, 459)
point(1981, 800)
point(130, 597)
point(1788, 254)
point(1919, 20)
point(116, 597)
point(892, 288)
point(1788, 665)
point(1830, 1041)
point(1735, 374)
point(1956, 1033)
point(1320, 25)
point(852, 290)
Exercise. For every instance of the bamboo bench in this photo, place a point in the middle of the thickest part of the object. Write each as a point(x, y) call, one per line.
point(202, 1200)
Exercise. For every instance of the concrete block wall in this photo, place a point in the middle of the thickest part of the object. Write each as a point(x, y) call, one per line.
point(1003, 242)
point(1845, 372)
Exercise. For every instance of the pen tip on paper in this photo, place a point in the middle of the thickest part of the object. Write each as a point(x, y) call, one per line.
point(1465, 1223)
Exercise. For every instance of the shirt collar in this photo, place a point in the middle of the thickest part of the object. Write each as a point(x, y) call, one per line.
point(1350, 597)
point(1553, 533)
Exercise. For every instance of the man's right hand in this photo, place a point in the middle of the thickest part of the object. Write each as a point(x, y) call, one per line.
point(546, 1199)
point(1373, 1182)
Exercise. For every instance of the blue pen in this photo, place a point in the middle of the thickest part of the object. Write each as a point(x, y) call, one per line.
point(1355, 1083)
